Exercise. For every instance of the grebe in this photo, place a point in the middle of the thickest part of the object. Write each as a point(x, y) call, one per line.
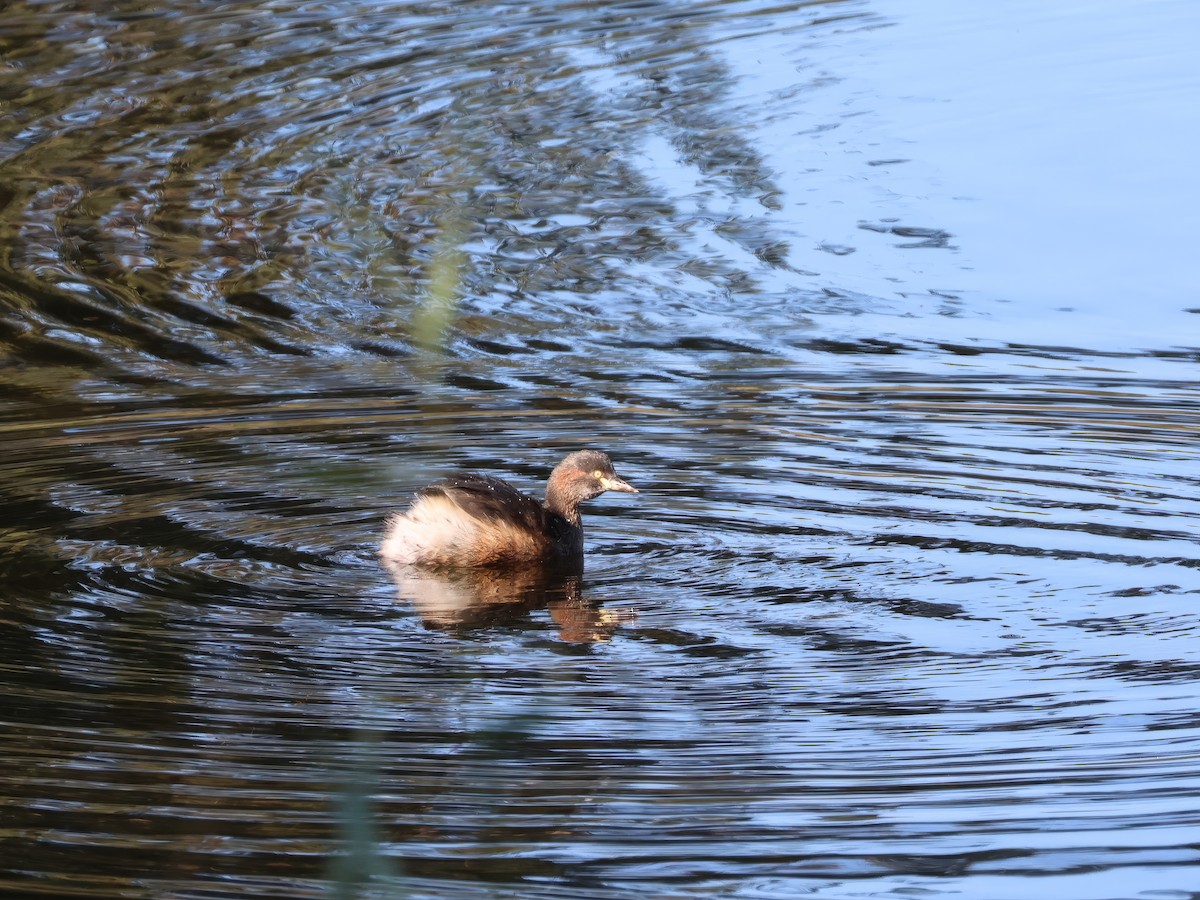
point(476, 520)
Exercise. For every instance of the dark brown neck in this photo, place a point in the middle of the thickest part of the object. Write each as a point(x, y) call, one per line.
point(560, 502)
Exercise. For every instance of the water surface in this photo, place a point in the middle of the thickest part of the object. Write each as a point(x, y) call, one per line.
point(886, 310)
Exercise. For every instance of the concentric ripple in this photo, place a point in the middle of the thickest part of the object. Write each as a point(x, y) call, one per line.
point(907, 601)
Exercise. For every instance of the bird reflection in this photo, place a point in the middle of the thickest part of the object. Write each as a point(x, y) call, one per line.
point(464, 599)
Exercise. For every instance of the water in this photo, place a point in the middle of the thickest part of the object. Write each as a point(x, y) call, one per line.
point(887, 310)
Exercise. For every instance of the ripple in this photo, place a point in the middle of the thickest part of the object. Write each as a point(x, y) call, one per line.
point(906, 602)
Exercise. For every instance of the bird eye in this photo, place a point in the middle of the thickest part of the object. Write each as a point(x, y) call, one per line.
point(597, 474)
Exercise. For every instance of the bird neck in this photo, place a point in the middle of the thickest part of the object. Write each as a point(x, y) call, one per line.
point(563, 503)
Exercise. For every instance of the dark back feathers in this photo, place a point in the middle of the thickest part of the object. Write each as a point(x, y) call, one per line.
point(492, 499)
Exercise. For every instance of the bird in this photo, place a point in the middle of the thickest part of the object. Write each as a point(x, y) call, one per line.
point(471, 520)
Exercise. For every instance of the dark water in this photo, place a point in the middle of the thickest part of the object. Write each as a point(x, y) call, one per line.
point(890, 311)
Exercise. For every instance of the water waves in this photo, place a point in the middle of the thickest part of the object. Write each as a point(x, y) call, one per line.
point(906, 602)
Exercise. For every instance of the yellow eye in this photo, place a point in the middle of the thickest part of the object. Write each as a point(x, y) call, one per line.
point(597, 474)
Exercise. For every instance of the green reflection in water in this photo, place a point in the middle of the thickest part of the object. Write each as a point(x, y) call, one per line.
point(439, 305)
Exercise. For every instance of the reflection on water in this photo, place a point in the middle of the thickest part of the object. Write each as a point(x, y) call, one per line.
point(480, 598)
point(911, 607)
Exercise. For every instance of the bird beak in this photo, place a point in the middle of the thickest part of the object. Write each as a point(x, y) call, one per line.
point(617, 484)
